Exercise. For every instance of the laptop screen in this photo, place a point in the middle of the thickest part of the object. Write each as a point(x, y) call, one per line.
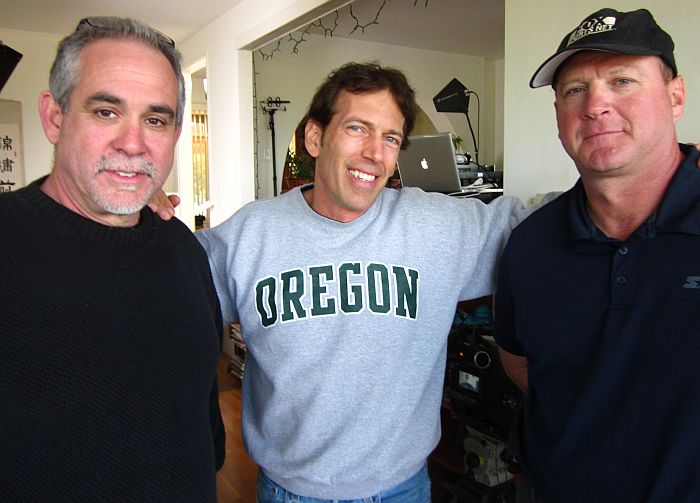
point(429, 163)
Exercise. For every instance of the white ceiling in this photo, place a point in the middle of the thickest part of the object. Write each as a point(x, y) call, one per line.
point(177, 18)
point(474, 27)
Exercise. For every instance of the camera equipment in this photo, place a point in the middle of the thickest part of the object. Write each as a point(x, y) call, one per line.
point(481, 394)
point(454, 97)
point(8, 61)
point(485, 402)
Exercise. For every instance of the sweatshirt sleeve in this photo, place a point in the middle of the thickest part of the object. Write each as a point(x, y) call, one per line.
point(485, 229)
point(214, 242)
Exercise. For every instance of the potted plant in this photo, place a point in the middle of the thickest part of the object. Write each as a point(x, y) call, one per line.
point(298, 170)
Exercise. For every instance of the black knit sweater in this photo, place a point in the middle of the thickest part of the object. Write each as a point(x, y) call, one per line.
point(109, 341)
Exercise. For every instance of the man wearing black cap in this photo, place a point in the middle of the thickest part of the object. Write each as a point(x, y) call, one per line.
point(598, 294)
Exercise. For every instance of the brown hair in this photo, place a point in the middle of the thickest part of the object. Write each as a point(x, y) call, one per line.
point(361, 78)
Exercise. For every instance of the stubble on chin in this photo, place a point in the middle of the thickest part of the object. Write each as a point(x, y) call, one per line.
point(118, 200)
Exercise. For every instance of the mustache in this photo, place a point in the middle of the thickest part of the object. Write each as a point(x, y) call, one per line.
point(126, 164)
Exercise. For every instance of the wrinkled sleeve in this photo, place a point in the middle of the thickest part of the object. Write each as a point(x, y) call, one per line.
point(217, 248)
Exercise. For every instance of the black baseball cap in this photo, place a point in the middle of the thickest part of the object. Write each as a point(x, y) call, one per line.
point(635, 33)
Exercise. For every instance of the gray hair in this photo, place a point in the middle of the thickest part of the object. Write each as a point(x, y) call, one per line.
point(65, 70)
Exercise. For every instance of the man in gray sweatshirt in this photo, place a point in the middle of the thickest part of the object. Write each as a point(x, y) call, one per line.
point(345, 292)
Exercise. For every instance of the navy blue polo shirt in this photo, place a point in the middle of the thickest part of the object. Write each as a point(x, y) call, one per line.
point(611, 332)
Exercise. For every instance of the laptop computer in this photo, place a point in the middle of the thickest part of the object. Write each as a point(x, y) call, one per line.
point(429, 163)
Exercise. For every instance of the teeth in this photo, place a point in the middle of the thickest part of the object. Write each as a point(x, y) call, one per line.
point(129, 175)
point(362, 176)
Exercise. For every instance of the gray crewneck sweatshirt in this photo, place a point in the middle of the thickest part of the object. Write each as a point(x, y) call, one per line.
point(346, 326)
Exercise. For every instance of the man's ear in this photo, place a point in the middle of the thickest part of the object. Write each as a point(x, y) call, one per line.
point(51, 116)
point(677, 93)
point(312, 137)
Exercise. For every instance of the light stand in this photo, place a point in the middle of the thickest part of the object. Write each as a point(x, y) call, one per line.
point(454, 97)
point(270, 107)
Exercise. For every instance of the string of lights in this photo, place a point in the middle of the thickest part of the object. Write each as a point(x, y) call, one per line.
point(327, 31)
point(328, 26)
point(363, 26)
point(256, 146)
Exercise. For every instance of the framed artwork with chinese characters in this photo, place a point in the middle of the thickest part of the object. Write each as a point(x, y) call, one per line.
point(11, 150)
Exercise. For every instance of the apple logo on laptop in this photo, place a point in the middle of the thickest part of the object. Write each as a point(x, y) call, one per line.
point(424, 163)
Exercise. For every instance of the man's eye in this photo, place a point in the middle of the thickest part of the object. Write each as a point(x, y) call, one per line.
point(156, 122)
point(624, 82)
point(105, 114)
point(355, 129)
point(571, 91)
point(393, 141)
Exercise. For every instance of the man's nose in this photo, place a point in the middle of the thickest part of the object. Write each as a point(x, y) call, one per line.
point(130, 138)
point(597, 102)
point(373, 148)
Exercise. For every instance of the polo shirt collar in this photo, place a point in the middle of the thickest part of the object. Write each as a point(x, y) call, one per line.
point(679, 210)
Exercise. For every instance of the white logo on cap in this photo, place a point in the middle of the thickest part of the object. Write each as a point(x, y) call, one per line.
point(592, 26)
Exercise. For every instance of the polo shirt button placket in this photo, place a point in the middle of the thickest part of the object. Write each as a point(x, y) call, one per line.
point(620, 276)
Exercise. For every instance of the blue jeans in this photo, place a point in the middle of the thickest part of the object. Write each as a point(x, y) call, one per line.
point(414, 490)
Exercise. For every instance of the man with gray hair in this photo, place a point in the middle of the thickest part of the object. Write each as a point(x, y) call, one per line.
point(105, 394)
point(597, 299)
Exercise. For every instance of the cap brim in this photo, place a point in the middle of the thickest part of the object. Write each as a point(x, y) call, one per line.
point(545, 73)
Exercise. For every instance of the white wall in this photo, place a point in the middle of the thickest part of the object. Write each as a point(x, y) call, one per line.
point(534, 161)
point(31, 77)
point(498, 112)
point(295, 77)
